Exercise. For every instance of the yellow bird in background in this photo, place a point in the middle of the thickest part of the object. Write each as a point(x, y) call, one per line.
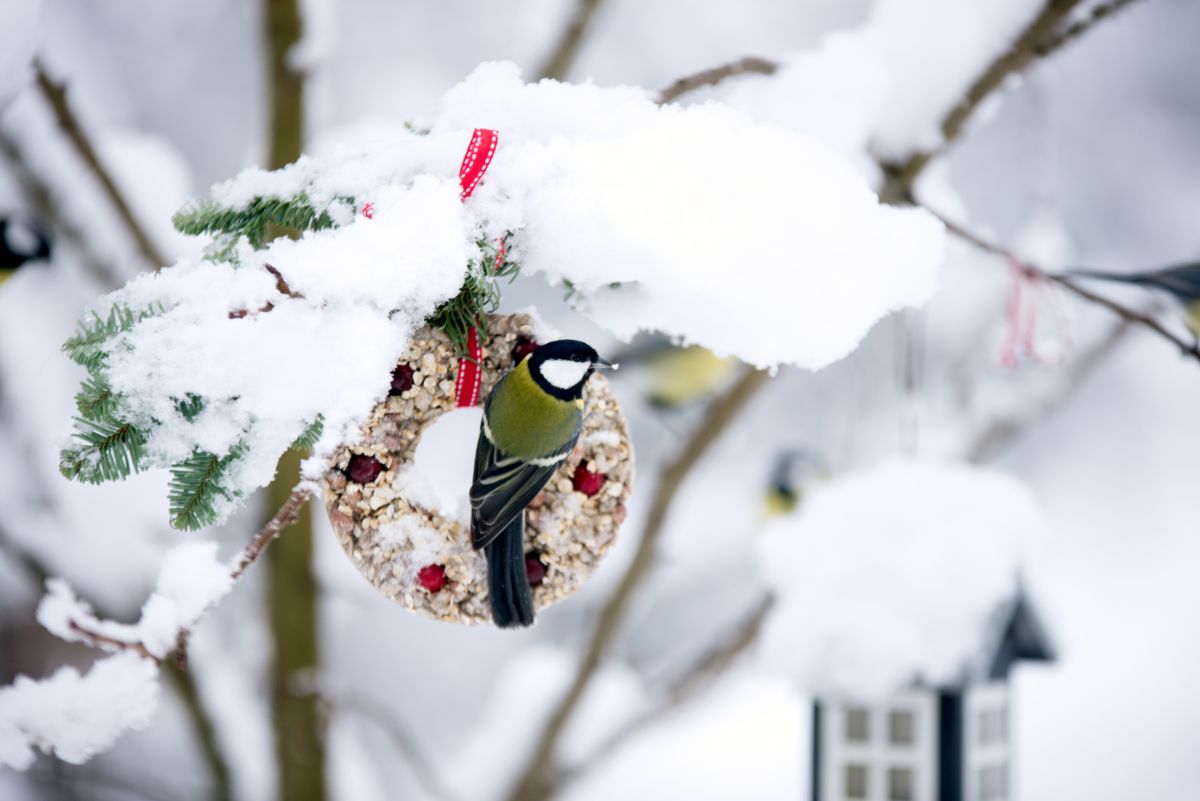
point(793, 472)
point(678, 376)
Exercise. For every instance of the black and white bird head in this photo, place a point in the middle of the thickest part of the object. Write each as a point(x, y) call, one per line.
point(21, 240)
point(562, 367)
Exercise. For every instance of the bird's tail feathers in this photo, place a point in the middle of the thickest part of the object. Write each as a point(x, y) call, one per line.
point(508, 583)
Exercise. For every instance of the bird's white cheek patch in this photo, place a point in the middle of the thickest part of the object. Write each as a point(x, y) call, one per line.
point(564, 373)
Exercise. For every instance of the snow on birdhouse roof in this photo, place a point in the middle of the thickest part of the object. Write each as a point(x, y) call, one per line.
point(905, 572)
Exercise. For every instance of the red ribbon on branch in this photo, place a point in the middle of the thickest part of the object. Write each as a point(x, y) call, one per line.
point(474, 164)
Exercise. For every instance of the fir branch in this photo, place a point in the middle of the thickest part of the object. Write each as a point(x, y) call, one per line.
point(190, 406)
point(296, 214)
point(308, 439)
point(96, 400)
point(87, 346)
point(479, 296)
point(110, 450)
point(197, 483)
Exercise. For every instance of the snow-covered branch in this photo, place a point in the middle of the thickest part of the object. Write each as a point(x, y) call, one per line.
point(76, 716)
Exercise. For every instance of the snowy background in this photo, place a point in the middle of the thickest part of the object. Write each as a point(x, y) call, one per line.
point(1090, 159)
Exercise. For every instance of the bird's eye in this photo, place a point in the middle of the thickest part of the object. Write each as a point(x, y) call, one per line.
point(575, 357)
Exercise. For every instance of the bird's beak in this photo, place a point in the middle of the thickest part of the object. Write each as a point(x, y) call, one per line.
point(605, 364)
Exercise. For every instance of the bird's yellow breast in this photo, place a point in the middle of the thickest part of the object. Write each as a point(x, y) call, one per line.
point(525, 420)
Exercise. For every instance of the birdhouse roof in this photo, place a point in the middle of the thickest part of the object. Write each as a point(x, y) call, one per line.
point(905, 572)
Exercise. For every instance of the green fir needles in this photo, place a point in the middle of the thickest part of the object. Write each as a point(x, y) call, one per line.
point(112, 440)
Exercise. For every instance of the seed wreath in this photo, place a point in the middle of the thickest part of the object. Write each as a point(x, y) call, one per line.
point(424, 560)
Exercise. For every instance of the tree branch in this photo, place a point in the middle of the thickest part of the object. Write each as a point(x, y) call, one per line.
point(56, 97)
point(535, 782)
point(559, 62)
point(1001, 432)
point(288, 513)
point(692, 682)
point(1134, 316)
point(1081, 26)
point(41, 199)
point(902, 176)
point(750, 65)
point(405, 741)
point(184, 684)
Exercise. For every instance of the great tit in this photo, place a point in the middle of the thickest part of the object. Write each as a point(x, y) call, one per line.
point(1182, 281)
point(679, 376)
point(21, 241)
point(531, 420)
point(794, 470)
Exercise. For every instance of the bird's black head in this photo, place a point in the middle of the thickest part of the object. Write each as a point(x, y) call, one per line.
point(562, 367)
point(21, 240)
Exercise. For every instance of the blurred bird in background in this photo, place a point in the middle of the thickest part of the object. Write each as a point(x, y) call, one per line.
point(678, 376)
point(1181, 281)
point(21, 241)
point(794, 471)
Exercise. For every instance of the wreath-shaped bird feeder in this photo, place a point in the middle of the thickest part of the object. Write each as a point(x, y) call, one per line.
point(422, 558)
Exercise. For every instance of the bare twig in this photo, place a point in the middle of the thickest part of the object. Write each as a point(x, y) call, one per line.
point(104, 642)
point(1143, 319)
point(286, 516)
point(41, 199)
point(536, 779)
point(692, 682)
point(750, 65)
point(901, 176)
point(1081, 26)
point(1003, 431)
point(559, 62)
point(56, 97)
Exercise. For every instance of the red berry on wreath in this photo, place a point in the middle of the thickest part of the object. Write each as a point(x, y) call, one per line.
point(402, 379)
point(523, 347)
point(586, 481)
point(432, 577)
point(534, 569)
point(363, 469)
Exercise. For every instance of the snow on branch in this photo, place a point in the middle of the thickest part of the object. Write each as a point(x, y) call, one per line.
point(77, 716)
point(698, 222)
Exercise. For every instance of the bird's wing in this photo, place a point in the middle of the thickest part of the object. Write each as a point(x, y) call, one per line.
point(1183, 280)
point(504, 485)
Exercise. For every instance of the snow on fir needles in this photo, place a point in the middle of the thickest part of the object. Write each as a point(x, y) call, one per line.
point(699, 222)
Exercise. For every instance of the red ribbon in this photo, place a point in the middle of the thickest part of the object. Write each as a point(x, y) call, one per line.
point(474, 164)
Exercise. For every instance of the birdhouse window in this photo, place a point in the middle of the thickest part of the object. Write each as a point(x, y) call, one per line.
point(993, 783)
point(857, 725)
point(856, 781)
point(993, 725)
point(901, 725)
point(900, 784)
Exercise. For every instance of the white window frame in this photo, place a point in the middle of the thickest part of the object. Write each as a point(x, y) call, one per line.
point(878, 754)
